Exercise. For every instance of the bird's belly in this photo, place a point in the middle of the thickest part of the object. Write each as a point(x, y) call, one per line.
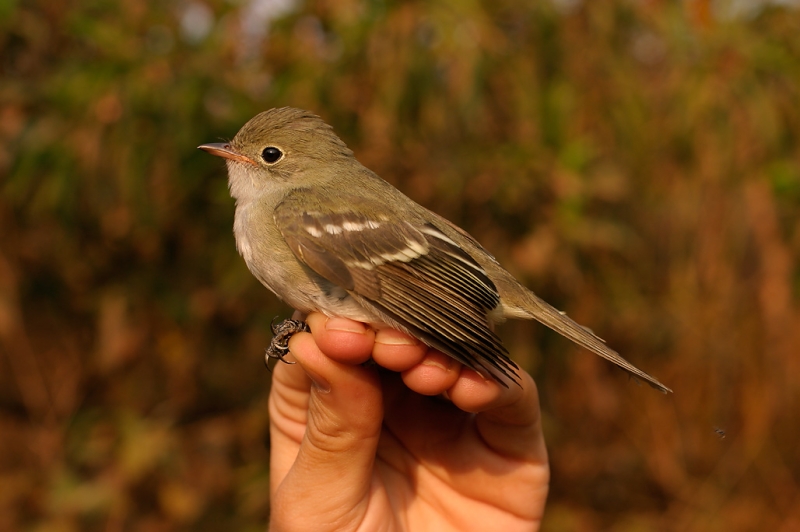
point(342, 307)
point(303, 289)
point(310, 292)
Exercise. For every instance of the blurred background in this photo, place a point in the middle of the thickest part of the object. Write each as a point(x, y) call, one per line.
point(636, 163)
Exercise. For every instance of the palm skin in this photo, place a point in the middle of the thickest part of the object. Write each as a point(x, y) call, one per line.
point(362, 448)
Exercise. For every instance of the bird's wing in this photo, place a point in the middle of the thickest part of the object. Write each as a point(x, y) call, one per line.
point(409, 272)
point(520, 302)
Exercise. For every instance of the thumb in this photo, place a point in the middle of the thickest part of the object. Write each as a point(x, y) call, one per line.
point(329, 479)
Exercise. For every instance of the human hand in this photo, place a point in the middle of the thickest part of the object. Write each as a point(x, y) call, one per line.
point(361, 448)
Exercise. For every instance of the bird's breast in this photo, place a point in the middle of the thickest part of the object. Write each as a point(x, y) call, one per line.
point(273, 263)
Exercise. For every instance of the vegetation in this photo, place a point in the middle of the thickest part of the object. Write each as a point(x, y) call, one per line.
point(635, 163)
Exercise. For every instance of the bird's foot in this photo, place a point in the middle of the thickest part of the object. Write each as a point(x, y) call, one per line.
point(283, 332)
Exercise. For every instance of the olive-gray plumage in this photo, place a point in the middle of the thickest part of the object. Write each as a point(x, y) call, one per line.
point(325, 233)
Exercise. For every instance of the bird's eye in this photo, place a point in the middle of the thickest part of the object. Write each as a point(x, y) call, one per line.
point(271, 154)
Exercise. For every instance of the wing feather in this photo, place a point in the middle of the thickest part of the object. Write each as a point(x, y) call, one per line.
point(410, 275)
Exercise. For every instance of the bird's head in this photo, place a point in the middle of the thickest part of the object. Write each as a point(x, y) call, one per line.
point(278, 148)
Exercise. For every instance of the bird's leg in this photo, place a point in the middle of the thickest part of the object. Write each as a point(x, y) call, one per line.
point(283, 332)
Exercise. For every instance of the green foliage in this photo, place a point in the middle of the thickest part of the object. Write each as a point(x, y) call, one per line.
point(636, 163)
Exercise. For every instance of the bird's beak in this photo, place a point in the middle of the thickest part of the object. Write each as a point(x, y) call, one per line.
point(227, 151)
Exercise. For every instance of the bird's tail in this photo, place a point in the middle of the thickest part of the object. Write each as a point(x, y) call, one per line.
point(539, 310)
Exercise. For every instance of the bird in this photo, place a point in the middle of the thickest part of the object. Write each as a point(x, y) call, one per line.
point(324, 233)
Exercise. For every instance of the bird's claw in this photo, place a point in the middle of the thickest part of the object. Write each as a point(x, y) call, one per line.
point(283, 332)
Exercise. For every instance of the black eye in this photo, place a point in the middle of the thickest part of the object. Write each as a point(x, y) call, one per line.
point(271, 154)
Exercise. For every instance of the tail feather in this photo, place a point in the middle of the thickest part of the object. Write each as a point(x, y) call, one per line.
point(559, 322)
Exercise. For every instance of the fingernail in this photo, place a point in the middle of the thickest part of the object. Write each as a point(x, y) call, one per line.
point(343, 325)
point(393, 337)
point(434, 363)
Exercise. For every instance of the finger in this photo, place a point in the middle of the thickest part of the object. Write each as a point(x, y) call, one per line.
point(508, 419)
point(397, 351)
point(341, 339)
point(424, 370)
point(433, 375)
point(331, 475)
point(288, 413)
point(474, 392)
